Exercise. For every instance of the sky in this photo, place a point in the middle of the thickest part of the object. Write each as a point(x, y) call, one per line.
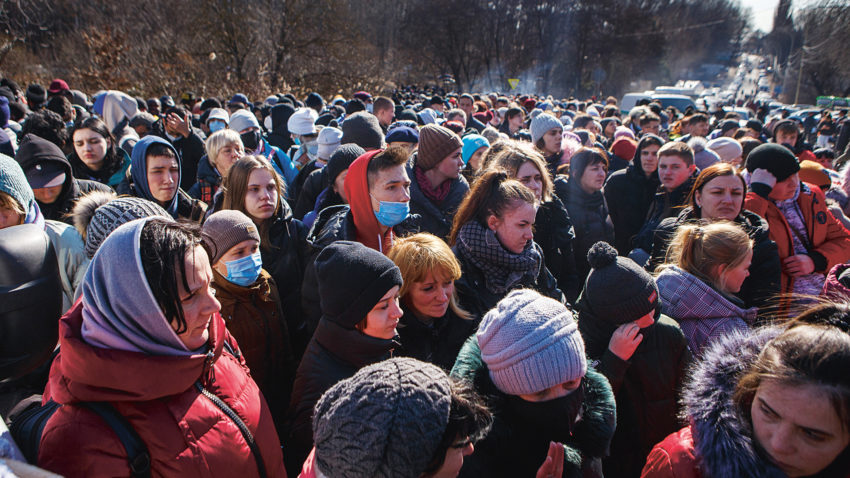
point(763, 11)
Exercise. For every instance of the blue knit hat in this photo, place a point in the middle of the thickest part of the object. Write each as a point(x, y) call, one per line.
point(13, 182)
point(542, 124)
point(471, 144)
point(530, 343)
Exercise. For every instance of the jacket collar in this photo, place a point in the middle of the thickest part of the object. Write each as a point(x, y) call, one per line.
point(82, 372)
point(351, 345)
point(722, 437)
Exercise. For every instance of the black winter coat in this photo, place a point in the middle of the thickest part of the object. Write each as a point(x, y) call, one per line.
point(554, 233)
point(646, 386)
point(664, 204)
point(512, 449)
point(435, 218)
point(628, 194)
point(333, 354)
point(438, 343)
point(475, 298)
point(763, 283)
point(309, 192)
point(589, 215)
point(285, 258)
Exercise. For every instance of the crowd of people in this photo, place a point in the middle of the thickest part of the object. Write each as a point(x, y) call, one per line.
point(420, 285)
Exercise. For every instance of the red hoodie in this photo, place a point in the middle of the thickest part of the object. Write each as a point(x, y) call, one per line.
point(357, 191)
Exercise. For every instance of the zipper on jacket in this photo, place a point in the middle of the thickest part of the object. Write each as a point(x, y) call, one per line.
point(234, 417)
point(209, 370)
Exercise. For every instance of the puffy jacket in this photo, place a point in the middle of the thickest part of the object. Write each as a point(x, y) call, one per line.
point(554, 233)
point(513, 450)
point(254, 317)
point(719, 442)
point(71, 256)
point(476, 299)
point(590, 218)
point(435, 218)
point(629, 194)
point(285, 257)
point(830, 241)
point(762, 285)
point(646, 386)
point(333, 354)
point(438, 343)
point(186, 434)
point(703, 313)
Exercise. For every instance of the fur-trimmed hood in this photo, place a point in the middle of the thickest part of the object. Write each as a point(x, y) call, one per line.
point(722, 437)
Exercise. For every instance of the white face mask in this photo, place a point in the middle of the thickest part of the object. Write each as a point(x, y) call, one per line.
point(268, 123)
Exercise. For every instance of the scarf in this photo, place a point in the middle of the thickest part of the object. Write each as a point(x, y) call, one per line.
point(436, 195)
point(119, 309)
point(809, 284)
point(502, 269)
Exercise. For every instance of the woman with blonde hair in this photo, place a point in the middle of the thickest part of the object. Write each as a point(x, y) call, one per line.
point(554, 231)
point(224, 148)
point(706, 266)
point(433, 327)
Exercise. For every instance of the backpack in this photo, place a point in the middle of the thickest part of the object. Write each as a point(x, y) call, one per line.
point(27, 427)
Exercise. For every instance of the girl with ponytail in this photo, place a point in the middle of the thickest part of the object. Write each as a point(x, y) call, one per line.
point(492, 237)
point(706, 265)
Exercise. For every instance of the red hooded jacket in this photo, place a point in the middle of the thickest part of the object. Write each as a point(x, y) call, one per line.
point(357, 191)
point(185, 433)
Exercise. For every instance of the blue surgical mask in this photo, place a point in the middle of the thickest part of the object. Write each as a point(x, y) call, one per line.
point(370, 107)
point(312, 149)
point(391, 213)
point(296, 140)
point(216, 126)
point(244, 272)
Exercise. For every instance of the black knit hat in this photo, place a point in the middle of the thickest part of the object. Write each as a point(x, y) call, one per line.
point(363, 129)
point(617, 289)
point(352, 278)
point(776, 158)
point(341, 160)
point(36, 94)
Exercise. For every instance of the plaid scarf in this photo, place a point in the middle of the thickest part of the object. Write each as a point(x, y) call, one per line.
point(502, 269)
point(438, 194)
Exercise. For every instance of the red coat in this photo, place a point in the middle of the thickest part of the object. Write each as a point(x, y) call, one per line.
point(185, 433)
point(674, 457)
point(826, 234)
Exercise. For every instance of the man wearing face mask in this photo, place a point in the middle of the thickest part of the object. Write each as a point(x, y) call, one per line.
point(554, 416)
point(245, 123)
point(250, 305)
point(378, 192)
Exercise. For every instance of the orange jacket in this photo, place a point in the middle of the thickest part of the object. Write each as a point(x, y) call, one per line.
point(827, 235)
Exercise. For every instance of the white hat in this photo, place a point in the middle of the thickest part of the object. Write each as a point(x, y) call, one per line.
point(218, 114)
point(303, 121)
point(329, 141)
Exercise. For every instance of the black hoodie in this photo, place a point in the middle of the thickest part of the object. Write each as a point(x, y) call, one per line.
point(279, 135)
point(35, 151)
point(629, 194)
